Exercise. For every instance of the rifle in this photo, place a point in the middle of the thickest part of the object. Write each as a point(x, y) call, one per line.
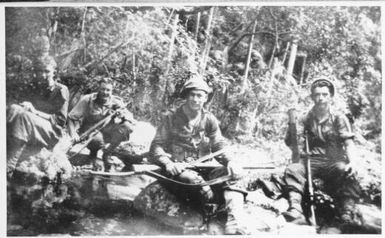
point(87, 136)
point(143, 168)
point(311, 217)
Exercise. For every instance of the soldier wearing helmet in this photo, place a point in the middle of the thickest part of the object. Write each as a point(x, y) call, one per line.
point(331, 149)
point(187, 134)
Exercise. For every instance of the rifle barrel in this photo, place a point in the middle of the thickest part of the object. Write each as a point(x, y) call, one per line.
point(310, 182)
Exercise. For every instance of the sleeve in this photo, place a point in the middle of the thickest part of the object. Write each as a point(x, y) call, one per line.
point(78, 112)
point(217, 141)
point(60, 117)
point(343, 127)
point(160, 142)
point(118, 103)
point(295, 132)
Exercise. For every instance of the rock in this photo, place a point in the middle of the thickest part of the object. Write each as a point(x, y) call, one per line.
point(367, 220)
point(258, 198)
point(136, 149)
point(160, 204)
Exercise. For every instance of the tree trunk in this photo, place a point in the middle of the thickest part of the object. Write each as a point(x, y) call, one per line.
point(197, 26)
point(302, 69)
point(133, 66)
point(293, 54)
point(285, 54)
point(172, 40)
point(206, 50)
point(244, 83)
point(82, 35)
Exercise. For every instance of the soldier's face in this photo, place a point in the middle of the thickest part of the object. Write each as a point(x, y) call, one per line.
point(321, 96)
point(196, 99)
point(45, 75)
point(105, 90)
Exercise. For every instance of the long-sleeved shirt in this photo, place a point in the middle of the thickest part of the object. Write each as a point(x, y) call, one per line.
point(177, 141)
point(53, 102)
point(89, 110)
point(326, 137)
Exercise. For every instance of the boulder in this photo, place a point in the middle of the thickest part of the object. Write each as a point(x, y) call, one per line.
point(136, 149)
point(157, 202)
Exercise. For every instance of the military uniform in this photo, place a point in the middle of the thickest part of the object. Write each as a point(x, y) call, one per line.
point(328, 158)
point(89, 110)
point(23, 126)
point(178, 141)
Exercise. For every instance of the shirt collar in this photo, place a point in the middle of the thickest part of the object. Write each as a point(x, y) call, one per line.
point(330, 113)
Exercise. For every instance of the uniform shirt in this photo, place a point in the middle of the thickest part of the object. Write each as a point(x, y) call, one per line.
point(88, 111)
point(53, 101)
point(326, 137)
point(176, 141)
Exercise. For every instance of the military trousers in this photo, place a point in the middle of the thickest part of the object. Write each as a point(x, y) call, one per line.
point(113, 133)
point(28, 127)
point(332, 172)
point(230, 193)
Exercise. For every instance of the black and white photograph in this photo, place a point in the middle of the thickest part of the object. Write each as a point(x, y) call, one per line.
point(192, 119)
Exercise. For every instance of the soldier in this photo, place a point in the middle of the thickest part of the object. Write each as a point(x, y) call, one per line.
point(41, 118)
point(91, 109)
point(331, 149)
point(188, 133)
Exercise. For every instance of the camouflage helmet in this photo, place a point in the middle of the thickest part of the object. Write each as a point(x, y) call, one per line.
point(323, 82)
point(195, 82)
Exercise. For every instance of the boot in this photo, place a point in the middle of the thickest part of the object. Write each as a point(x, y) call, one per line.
point(15, 149)
point(107, 161)
point(234, 206)
point(347, 210)
point(97, 164)
point(294, 213)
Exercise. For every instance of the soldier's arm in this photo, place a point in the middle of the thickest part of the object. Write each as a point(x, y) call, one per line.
point(217, 141)
point(344, 131)
point(124, 113)
point(60, 117)
point(159, 144)
point(57, 118)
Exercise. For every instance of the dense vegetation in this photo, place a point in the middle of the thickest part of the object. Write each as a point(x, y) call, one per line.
point(243, 52)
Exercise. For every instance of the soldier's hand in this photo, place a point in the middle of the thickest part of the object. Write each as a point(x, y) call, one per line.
point(235, 169)
point(175, 168)
point(28, 106)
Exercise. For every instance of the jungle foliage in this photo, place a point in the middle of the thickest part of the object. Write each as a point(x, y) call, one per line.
point(150, 52)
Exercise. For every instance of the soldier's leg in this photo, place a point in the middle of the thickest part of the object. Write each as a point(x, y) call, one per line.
point(295, 179)
point(25, 127)
point(94, 146)
point(346, 191)
point(234, 201)
point(234, 197)
point(29, 127)
point(202, 194)
point(15, 148)
point(114, 134)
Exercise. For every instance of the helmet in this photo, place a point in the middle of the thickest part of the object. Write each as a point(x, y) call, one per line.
point(196, 82)
point(323, 82)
